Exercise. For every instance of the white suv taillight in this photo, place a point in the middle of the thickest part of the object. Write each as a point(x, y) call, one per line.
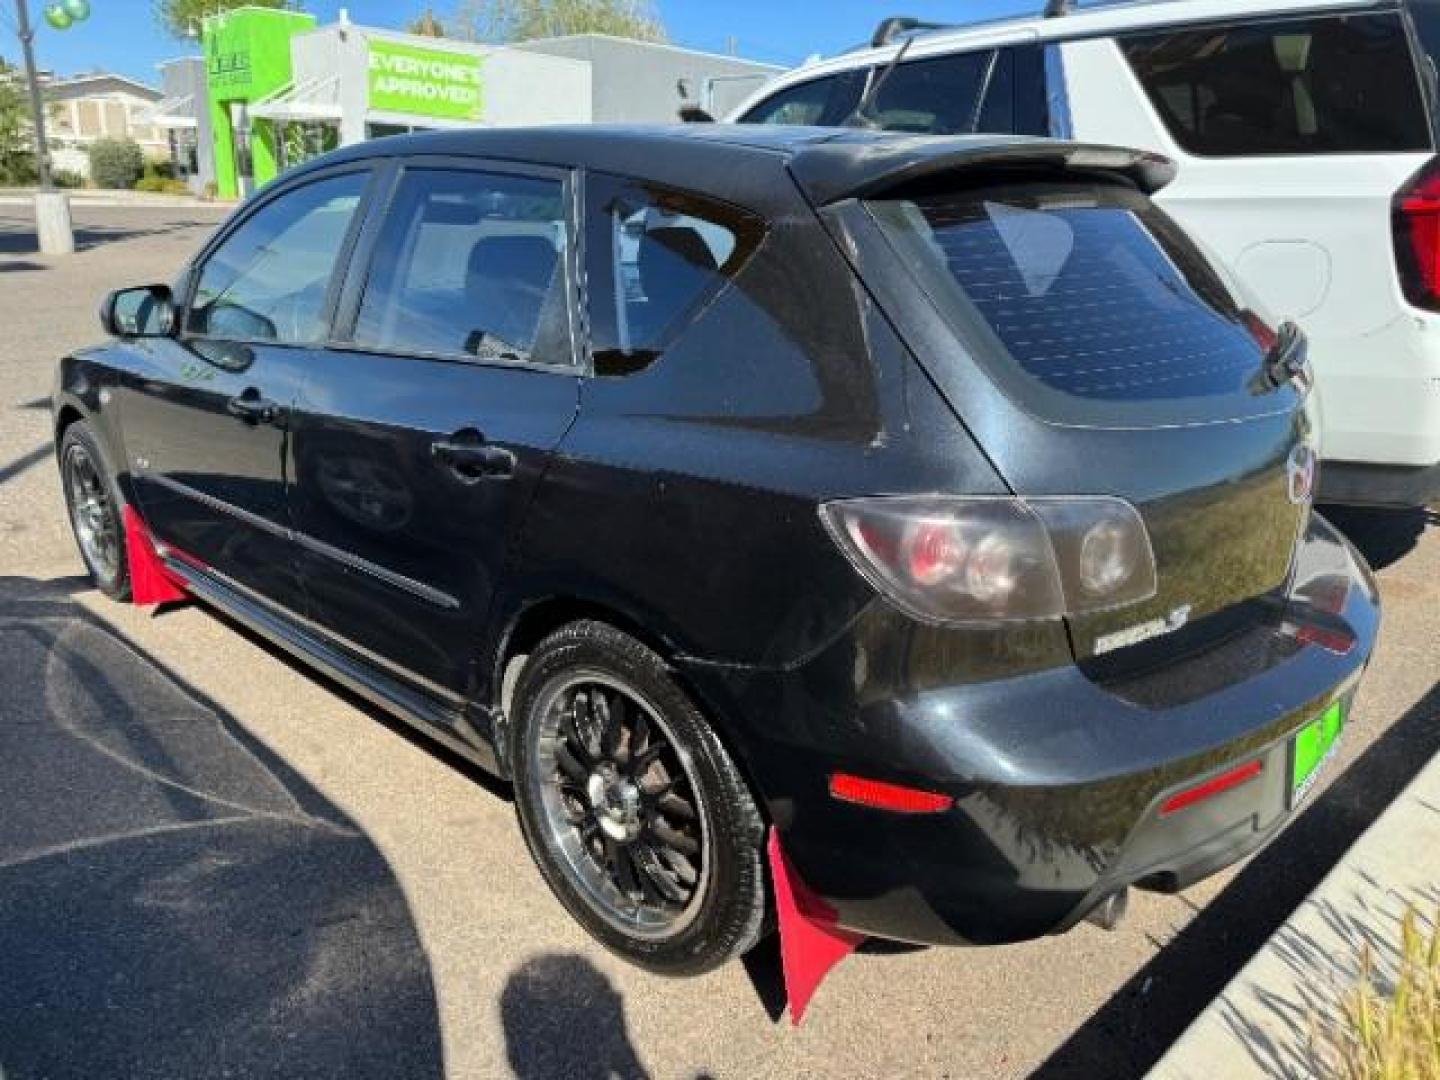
point(944, 559)
point(1415, 222)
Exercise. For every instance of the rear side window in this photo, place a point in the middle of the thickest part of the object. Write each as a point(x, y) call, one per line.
point(1088, 293)
point(1328, 85)
point(470, 264)
point(657, 258)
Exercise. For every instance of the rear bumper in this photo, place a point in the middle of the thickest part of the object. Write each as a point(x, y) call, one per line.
point(1058, 781)
point(1355, 483)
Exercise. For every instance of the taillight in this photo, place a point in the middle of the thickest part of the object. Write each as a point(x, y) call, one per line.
point(948, 560)
point(1264, 335)
point(1415, 221)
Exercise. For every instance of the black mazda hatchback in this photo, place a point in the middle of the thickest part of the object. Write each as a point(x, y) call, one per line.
point(924, 509)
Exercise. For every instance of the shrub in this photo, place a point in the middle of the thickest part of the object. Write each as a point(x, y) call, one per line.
point(163, 185)
point(116, 163)
point(17, 169)
point(1392, 1029)
point(67, 178)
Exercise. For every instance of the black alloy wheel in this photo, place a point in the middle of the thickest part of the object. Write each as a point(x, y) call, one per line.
point(634, 812)
point(94, 509)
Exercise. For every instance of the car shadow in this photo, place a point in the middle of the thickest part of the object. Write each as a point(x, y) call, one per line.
point(1130, 1032)
point(177, 900)
point(562, 1017)
point(1383, 536)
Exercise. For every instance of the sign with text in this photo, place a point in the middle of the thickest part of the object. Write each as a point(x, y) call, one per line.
point(424, 82)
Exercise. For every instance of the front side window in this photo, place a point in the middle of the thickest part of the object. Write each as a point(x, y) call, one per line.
point(471, 264)
point(267, 281)
point(1343, 84)
point(657, 257)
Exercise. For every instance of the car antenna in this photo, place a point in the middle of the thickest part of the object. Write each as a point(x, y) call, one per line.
point(860, 115)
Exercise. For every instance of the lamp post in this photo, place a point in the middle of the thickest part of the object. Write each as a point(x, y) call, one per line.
point(52, 207)
point(37, 104)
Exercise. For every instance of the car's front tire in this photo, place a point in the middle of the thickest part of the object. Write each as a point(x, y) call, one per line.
point(93, 502)
point(637, 817)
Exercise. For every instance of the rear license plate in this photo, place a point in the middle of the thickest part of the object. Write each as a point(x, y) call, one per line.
point(1314, 746)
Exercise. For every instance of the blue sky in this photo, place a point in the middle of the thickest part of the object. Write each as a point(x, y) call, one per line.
point(121, 35)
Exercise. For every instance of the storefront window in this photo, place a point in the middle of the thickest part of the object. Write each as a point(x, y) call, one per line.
point(302, 140)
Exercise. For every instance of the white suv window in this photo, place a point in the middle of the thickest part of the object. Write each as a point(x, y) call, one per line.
point(1324, 85)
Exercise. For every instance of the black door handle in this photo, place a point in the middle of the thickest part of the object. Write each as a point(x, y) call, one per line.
point(252, 408)
point(470, 457)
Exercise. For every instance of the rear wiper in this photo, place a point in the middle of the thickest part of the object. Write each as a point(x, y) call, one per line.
point(1286, 361)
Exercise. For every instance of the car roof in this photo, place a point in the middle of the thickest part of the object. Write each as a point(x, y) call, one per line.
point(756, 165)
point(1096, 20)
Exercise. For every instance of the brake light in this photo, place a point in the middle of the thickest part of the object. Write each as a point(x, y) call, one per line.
point(1216, 785)
point(949, 560)
point(883, 796)
point(1415, 222)
point(1260, 330)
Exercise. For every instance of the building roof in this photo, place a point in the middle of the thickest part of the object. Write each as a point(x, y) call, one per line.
point(99, 82)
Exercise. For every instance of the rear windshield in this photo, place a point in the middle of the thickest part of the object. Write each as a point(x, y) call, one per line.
point(1339, 84)
point(1096, 305)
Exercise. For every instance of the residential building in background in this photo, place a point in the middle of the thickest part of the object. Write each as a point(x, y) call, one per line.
point(83, 109)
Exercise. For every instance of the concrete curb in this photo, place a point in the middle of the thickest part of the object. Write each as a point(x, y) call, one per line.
point(1264, 1023)
point(117, 199)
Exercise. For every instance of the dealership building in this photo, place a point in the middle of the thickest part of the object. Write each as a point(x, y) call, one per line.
point(275, 89)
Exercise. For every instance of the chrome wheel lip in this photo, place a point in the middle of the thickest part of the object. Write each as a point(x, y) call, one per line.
point(92, 514)
point(562, 837)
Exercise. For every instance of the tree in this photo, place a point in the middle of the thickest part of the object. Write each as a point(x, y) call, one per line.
point(17, 158)
point(182, 18)
point(426, 25)
point(525, 20)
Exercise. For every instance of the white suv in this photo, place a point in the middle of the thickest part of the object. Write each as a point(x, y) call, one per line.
point(1305, 132)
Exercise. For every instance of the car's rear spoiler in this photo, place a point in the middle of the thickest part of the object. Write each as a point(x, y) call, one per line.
point(868, 165)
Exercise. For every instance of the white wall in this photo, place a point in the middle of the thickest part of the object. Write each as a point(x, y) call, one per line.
point(532, 88)
point(519, 87)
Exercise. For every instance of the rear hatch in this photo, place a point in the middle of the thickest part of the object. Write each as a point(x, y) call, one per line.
point(1113, 361)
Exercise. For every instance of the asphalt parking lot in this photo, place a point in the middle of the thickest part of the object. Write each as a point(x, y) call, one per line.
point(214, 864)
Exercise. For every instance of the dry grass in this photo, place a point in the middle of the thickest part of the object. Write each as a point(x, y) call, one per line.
point(1391, 1031)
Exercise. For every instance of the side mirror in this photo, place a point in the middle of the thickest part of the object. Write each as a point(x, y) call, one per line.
point(147, 311)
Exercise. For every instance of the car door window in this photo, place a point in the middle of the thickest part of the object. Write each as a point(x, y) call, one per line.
point(268, 280)
point(471, 264)
point(937, 96)
point(657, 257)
point(1339, 84)
point(826, 100)
point(1015, 99)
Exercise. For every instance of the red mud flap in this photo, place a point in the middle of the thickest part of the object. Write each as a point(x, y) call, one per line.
point(810, 942)
point(150, 582)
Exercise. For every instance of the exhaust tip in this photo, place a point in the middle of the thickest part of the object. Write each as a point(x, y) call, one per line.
point(1110, 912)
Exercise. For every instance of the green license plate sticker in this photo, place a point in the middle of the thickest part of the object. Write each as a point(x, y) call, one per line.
point(1314, 746)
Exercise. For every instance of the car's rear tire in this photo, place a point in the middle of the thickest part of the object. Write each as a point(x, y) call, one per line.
point(93, 502)
point(637, 817)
